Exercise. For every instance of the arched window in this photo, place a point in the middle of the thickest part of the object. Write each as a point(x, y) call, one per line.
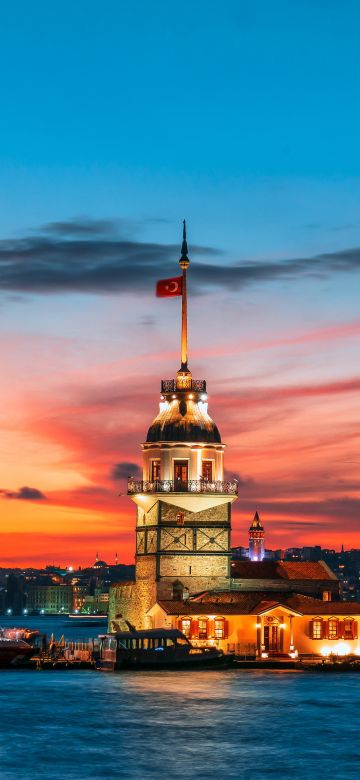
point(333, 628)
point(185, 626)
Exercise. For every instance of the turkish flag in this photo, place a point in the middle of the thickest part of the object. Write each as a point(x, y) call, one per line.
point(168, 288)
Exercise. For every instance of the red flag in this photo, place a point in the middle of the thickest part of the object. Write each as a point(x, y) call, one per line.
point(167, 288)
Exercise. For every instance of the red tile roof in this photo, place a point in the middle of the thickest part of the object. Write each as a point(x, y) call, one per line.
point(281, 570)
point(255, 603)
point(309, 606)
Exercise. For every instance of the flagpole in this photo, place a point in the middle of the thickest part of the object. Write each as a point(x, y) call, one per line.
point(184, 263)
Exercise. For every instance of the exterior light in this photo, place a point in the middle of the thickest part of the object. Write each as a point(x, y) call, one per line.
point(325, 651)
point(25, 611)
point(9, 611)
point(211, 617)
point(282, 625)
point(203, 397)
point(258, 625)
point(190, 396)
point(174, 396)
point(342, 648)
point(293, 654)
point(42, 612)
point(264, 655)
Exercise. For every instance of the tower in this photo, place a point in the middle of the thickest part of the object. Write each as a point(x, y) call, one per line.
point(256, 539)
point(183, 516)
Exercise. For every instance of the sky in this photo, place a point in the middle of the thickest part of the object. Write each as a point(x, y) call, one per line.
point(117, 121)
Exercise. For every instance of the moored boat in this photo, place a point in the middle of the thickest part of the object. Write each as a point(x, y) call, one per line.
point(14, 651)
point(156, 649)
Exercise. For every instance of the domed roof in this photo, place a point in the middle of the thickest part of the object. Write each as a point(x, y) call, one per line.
point(184, 420)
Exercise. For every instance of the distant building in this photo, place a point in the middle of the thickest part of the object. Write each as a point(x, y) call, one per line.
point(50, 599)
point(256, 539)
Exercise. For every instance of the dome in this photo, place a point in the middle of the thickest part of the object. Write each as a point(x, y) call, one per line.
point(183, 420)
point(99, 565)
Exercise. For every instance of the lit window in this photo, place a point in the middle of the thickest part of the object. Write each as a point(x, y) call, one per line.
point(333, 629)
point(185, 626)
point(207, 470)
point(202, 628)
point(348, 629)
point(155, 470)
point(316, 629)
point(219, 628)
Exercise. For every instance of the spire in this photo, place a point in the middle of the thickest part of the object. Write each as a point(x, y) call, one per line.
point(184, 246)
point(184, 263)
point(256, 523)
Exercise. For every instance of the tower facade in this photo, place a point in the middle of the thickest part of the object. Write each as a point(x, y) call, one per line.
point(256, 539)
point(183, 503)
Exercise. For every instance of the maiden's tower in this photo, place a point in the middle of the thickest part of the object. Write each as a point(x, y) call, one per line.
point(183, 503)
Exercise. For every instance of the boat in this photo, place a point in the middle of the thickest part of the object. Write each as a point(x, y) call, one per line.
point(156, 649)
point(14, 651)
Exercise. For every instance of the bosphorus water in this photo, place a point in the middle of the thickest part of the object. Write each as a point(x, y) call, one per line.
point(200, 725)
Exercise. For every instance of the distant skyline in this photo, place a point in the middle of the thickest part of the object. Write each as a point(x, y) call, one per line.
point(118, 122)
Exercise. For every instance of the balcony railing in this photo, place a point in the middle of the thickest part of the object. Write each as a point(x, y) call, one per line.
point(170, 386)
point(179, 486)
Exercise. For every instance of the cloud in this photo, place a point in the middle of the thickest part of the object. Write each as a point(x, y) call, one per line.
point(124, 470)
point(94, 256)
point(24, 494)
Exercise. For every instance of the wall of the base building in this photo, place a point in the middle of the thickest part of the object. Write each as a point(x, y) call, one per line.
point(244, 634)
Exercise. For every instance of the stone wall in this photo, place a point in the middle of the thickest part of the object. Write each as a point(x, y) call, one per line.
point(220, 512)
point(194, 566)
point(131, 603)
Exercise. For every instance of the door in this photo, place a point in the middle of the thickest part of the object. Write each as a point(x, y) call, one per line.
point(181, 474)
point(271, 639)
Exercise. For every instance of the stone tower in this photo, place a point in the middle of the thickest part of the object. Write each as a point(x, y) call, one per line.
point(183, 517)
point(256, 539)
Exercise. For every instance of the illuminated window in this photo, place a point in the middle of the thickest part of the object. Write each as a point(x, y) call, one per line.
point(202, 628)
point(219, 628)
point(155, 470)
point(317, 629)
point(185, 626)
point(207, 470)
point(348, 629)
point(333, 629)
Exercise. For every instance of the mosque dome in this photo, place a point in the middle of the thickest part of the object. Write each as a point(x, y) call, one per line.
point(183, 419)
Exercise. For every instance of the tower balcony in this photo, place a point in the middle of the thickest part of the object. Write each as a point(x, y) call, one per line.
point(137, 486)
point(184, 381)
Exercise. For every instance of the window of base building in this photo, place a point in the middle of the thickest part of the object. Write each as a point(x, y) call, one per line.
point(185, 625)
point(333, 629)
point(219, 628)
point(317, 629)
point(202, 628)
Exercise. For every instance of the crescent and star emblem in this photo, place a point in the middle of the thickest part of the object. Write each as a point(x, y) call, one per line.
point(172, 287)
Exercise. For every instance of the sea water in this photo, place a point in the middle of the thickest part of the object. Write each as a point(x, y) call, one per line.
point(178, 725)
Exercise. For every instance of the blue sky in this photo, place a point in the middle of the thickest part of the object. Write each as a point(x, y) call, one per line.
point(244, 116)
point(119, 119)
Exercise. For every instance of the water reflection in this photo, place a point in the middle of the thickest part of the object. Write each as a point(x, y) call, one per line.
point(185, 725)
